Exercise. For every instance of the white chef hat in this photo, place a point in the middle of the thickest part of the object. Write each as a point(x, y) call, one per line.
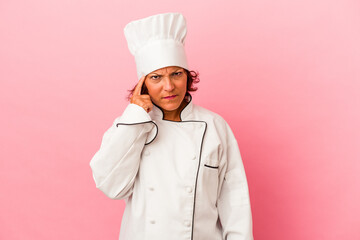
point(157, 41)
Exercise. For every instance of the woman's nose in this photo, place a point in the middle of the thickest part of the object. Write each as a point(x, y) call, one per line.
point(168, 84)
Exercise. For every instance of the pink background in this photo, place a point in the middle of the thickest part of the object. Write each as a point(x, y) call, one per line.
point(284, 74)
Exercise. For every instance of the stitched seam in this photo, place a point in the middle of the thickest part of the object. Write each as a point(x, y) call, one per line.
point(157, 128)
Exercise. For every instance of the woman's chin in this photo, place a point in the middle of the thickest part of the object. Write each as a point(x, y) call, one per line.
point(169, 107)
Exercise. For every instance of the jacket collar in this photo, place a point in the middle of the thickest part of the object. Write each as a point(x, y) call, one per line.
point(185, 114)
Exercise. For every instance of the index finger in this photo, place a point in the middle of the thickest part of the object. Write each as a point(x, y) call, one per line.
point(137, 90)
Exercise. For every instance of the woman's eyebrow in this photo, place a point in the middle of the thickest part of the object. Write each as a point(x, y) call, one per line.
point(170, 73)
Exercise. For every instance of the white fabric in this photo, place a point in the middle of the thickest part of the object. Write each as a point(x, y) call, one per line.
point(157, 41)
point(180, 180)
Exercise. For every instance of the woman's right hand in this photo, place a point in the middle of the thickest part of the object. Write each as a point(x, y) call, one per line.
point(143, 100)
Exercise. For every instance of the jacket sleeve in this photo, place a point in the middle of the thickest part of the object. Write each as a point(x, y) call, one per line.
point(234, 200)
point(115, 165)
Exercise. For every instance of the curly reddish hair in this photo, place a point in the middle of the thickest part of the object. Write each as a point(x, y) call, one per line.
point(192, 79)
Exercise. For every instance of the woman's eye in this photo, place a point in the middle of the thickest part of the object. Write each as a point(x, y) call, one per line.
point(178, 73)
point(153, 77)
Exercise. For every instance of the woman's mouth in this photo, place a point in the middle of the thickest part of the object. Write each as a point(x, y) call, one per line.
point(170, 97)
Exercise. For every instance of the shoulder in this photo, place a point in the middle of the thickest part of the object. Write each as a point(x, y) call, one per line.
point(209, 116)
point(215, 122)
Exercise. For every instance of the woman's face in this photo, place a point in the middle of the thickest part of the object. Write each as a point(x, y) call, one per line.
point(167, 87)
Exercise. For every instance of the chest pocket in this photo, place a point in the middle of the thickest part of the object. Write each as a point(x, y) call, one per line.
point(210, 176)
point(211, 159)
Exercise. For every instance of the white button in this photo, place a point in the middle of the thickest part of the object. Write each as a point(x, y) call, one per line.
point(152, 221)
point(187, 223)
point(146, 153)
point(189, 189)
point(151, 188)
point(200, 126)
point(193, 157)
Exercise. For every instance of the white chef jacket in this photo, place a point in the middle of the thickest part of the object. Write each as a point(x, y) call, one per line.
point(180, 180)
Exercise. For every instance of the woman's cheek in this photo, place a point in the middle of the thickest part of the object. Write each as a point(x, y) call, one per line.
point(155, 93)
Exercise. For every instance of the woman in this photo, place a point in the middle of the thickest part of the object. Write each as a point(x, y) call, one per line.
point(176, 164)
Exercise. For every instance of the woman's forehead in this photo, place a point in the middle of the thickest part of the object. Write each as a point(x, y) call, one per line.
point(167, 69)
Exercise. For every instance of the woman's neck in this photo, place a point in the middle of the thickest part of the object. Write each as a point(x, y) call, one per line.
point(175, 114)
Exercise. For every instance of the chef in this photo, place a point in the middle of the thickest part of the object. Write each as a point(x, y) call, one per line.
point(176, 164)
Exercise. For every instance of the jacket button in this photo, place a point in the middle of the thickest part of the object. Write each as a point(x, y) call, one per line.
point(146, 153)
point(187, 223)
point(193, 157)
point(189, 189)
point(152, 221)
point(151, 188)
